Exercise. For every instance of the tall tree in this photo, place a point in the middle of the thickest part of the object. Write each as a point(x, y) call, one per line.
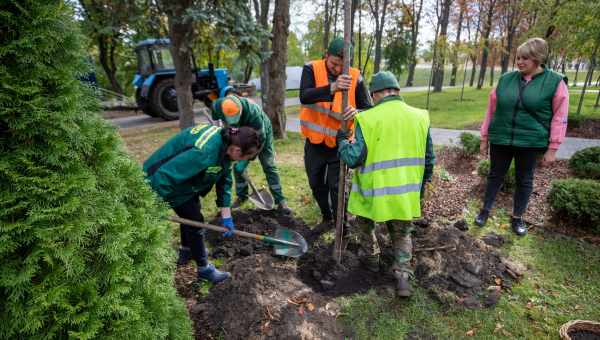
point(262, 17)
point(277, 63)
point(474, 45)
point(106, 22)
point(327, 24)
point(489, 9)
point(459, 24)
point(413, 11)
point(512, 14)
point(378, 10)
point(442, 44)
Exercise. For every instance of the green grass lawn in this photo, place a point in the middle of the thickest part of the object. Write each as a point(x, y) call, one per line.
point(562, 282)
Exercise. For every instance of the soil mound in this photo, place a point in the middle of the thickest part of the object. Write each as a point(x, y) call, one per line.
point(264, 299)
point(454, 266)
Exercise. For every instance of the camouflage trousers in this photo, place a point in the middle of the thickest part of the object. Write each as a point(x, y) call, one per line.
point(372, 240)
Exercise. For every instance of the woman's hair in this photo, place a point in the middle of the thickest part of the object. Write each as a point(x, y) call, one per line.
point(535, 49)
point(245, 137)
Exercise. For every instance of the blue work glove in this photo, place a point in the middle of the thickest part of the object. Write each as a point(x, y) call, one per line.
point(341, 135)
point(228, 223)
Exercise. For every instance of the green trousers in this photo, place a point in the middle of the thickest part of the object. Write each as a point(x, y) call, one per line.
point(267, 162)
point(372, 239)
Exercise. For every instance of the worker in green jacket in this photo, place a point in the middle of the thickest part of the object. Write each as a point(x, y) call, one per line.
point(393, 156)
point(186, 168)
point(238, 111)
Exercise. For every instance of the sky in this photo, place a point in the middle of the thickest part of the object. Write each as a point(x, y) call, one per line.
point(301, 12)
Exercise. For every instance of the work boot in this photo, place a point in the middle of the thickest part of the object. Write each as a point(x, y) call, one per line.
point(518, 226)
point(211, 274)
point(185, 255)
point(238, 203)
point(403, 288)
point(482, 217)
point(283, 208)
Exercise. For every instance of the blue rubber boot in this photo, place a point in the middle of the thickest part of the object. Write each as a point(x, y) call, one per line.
point(212, 274)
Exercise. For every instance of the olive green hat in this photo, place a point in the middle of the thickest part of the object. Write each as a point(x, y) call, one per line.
point(383, 80)
point(336, 47)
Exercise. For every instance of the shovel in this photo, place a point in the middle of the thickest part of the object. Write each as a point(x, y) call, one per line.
point(262, 198)
point(287, 242)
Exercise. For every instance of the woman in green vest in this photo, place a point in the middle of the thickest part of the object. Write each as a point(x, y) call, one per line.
point(186, 168)
point(526, 118)
point(393, 156)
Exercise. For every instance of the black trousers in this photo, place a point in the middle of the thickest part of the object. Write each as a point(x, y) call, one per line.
point(192, 237)
point(323, 171)
point(525, 161)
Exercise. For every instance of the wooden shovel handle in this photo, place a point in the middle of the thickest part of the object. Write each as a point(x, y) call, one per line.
point(214, 227)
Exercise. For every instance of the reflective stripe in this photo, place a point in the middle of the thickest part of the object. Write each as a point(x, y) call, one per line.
point(397, 190)
point(392, 163)
point(321, 109)
point(318, 128)
point(206, 136)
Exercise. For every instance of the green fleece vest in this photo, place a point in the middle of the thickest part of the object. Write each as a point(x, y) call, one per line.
point(387, 187)
point(524, 111)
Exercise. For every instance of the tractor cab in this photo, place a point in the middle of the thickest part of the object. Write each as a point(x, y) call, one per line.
point(154, 81)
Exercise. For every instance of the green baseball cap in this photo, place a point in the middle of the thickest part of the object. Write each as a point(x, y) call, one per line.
point(383, 80)
point(336, 47)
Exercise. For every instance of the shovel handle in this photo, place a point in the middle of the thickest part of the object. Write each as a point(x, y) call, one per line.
point(235, 232)
point(247, 179)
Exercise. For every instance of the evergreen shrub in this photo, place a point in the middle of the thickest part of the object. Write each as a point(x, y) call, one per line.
point(577, 201)
point(84, 247)
point(585, 163)
point(483, 169)
point(470, 143)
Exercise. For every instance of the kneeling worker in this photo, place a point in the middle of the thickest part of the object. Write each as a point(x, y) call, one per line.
point(393, 152)
point(239, 111)
point(185, 168)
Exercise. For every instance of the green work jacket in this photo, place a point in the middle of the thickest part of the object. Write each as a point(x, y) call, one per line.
point(524, 109)
point(387, 186)
point(190, 164)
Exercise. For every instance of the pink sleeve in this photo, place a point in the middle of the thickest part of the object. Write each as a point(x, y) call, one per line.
point(560, 111)
point(488, 115)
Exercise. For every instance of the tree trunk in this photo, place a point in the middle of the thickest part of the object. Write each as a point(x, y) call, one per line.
point(277, 63)
point(263, 19)
point(486, 43)
point(335, 17)
point(589, 77)
point(180, 31)
point(475, 55)
point(457, 45)
point(438, 76)
point(414, 41)
point(379, 25)
point(576, 72)
point(360, 40)
point(106, 57)
point(326, 26)
point(512, 20)
point(493, 66)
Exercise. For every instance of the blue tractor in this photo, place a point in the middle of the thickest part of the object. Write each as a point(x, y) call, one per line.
point(154, 81)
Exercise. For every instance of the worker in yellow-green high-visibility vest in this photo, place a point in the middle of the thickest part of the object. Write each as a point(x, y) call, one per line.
point(393, 156)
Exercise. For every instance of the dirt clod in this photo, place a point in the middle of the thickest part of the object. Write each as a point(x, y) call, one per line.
point(493, 239)
point(461, 225)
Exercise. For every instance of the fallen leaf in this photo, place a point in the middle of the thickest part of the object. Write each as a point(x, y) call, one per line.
point(529, 305)
point(470, 332)
point(577, 307)
point(498, 281)
point(310, 307)
point(499, 326)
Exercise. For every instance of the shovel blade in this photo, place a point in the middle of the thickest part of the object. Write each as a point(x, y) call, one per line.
point(262, 195)
point(290, 236)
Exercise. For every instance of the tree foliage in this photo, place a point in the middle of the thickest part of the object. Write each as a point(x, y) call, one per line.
point(84, 248)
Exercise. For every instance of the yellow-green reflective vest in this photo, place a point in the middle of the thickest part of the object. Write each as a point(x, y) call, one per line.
point(387, 186)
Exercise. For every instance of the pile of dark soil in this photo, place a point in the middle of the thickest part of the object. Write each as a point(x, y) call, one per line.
point(264, 299)
point(454, 267)
point(272, 297)
point(584, 335)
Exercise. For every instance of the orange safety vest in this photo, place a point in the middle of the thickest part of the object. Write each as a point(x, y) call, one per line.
point(319, 122)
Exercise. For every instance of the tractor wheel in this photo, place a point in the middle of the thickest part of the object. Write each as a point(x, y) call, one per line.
point(164, 99)
point(143, 104)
